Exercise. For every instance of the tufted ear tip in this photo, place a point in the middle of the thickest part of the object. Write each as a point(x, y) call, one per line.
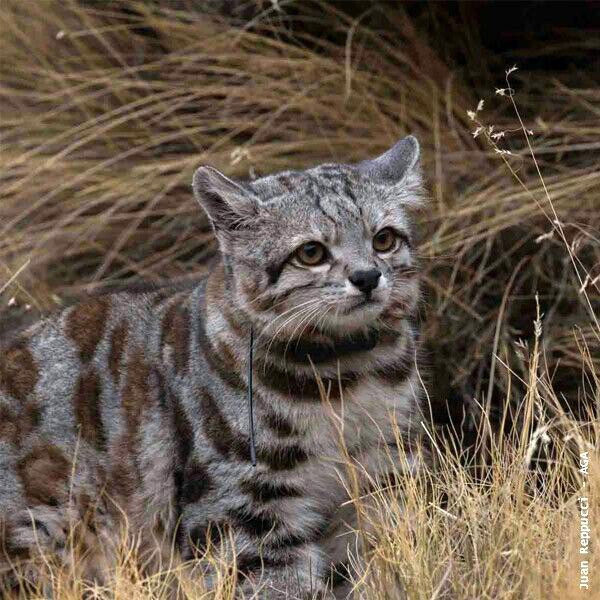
point(226, 202)
point(411, 143)
point(201, 175)
point(395, 164)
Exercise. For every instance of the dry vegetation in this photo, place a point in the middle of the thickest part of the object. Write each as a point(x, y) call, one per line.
point(106, 109)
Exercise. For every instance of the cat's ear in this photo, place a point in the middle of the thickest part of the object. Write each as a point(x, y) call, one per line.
point(228, 205)
point(397, 167)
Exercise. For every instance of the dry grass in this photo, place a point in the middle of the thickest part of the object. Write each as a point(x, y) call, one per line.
point(457, 530)
point(107, 110)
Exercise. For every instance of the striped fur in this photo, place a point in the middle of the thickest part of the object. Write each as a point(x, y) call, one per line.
point(134, 404)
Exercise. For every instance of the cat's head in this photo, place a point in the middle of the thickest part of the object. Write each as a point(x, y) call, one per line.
point(329, 248)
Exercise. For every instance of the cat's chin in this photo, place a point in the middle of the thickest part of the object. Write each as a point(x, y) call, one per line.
point(354, 318)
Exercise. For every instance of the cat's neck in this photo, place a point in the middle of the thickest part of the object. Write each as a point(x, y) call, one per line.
point(309, 350)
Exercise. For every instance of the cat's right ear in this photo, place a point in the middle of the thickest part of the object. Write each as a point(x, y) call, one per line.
point(228, 205)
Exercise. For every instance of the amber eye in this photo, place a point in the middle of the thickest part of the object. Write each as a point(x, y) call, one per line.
point(385, 240)
point(311, 254)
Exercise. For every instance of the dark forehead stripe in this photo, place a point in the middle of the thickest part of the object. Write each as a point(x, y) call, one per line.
point(273, 186)
point(337, 186)
point(87, 409)
point(315, 192)
point(286, 182)
point(347, 188)
point(85, 325)
point(346, 210)
point(18, 372)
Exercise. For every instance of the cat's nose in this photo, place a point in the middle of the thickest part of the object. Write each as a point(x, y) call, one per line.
point(365, 281)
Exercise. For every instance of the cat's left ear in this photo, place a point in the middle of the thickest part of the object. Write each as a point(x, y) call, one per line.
point(398, 168)
point(229, 205)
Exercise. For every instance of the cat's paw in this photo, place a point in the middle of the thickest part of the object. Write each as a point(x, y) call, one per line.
point(284, 586)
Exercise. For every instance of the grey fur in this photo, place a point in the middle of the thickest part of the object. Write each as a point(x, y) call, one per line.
point(143, 396)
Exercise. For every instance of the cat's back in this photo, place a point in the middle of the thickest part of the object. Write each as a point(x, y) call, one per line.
point(85, 431)
point(64, 380)
point(96, 331)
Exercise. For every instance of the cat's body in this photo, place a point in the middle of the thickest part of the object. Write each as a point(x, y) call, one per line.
point(135, 406)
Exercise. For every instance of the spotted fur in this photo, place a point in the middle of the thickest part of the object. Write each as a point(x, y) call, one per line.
point(135, 404)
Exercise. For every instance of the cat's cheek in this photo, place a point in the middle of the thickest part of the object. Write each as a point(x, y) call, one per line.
point(251, 288)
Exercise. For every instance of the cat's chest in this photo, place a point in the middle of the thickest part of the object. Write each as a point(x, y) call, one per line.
point(350, 438)
point(356, 432)
point(367, 414)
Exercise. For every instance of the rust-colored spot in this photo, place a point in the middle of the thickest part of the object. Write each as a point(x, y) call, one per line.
point(18, 372)
point(229, 360)
point(176, 333)
point(250, 287)
point(14, 428)
point(44, 473)
point(10, 548)
point(31, 416)
point(124, 480)
point(136, 393)
point(8, 428)
point(163, 294)
point(87, 409)
point(218, 430)
point(85, 325)
point(235, 322)
point(118, 343)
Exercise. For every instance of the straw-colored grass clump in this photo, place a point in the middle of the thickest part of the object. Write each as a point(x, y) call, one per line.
point(106, 110)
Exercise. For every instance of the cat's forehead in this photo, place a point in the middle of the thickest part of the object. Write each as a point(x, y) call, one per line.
point(328, 197)
point(323, 179)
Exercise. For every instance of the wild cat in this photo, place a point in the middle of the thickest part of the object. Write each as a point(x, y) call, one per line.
point(135, 405)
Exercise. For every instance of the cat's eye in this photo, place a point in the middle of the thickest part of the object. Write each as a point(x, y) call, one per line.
point(385, 240)
point(311, 254)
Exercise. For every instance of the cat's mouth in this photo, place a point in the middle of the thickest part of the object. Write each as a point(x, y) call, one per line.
point(365, 301)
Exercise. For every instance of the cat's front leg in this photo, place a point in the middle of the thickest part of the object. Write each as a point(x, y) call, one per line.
point(267, 567)
point(297, 574)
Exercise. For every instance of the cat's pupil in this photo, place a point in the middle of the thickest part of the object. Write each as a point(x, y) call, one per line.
point(384, 240)
point(311, 253)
